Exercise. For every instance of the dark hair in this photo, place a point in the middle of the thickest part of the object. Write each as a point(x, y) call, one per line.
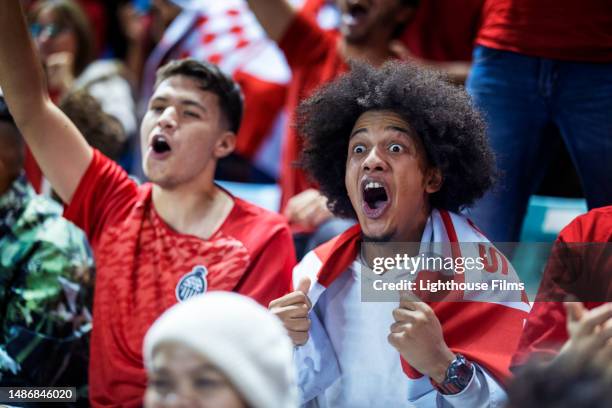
point(570, 380)
point(212, 79)
point(70, 14)
point(101, 130)
point(441, 114)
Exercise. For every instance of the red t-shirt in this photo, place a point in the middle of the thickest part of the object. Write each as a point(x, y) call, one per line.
point(558, 29)
point(142, 266)
point(314, 58)
point(545, 330)
point(444, 30)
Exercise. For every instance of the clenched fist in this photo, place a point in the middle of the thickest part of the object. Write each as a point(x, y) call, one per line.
point(417, 335)
point(293, 310)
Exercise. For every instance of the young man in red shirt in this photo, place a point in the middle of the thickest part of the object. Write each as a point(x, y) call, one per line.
point(161, 242)
point(315, 57)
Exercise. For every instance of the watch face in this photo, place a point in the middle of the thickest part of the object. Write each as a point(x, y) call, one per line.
point(460, 371)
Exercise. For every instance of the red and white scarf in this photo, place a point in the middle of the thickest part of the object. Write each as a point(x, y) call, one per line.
point(486, 332)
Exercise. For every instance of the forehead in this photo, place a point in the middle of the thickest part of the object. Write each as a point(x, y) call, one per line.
point(177, 357)
point(380, 120)
point(47, 15)
point(180, 86)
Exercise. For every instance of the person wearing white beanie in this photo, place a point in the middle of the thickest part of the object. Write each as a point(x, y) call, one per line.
point(219, 350)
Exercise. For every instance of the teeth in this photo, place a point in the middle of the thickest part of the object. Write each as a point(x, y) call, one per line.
point(373, 184)
point(160, 138)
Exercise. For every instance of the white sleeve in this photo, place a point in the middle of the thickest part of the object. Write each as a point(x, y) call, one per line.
point(482, 391)
point(315, 362)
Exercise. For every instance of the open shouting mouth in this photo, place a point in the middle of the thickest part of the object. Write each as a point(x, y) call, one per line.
point(356, 13)
point(159, 146)
point(376, 198)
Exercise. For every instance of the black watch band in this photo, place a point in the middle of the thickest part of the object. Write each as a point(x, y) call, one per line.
point(458, 375)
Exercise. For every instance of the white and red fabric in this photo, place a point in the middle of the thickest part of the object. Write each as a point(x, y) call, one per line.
point(226, 33)
point(347, 360)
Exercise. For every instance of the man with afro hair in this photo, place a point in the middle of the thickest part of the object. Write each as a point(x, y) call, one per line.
point(402, 151)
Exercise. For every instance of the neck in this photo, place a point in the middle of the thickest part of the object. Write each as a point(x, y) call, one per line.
point(199, 212)
point(375, 50)
point(410, 238)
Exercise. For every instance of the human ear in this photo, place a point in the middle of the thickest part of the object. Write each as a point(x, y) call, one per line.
point(433, 180)
point(225, 145)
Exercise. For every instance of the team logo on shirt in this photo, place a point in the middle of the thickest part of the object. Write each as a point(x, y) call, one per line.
point(192, 284)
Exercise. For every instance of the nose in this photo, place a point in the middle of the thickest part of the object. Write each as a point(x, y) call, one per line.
point(374, 162)
point(167, 119)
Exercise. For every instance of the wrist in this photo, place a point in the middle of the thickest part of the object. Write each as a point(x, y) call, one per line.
point(458, 376)
point(438, 371)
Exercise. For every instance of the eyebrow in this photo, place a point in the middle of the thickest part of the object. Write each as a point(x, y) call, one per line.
point(390, 127)
point(184, 102)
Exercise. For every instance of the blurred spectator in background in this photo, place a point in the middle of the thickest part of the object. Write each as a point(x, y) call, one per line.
point(226, 34)
point(315, 57)
point(98, 128)
point(46, 280)
point(64, 40)
point(580, 376)
point(581, 267)
point(574, 380)
point(219, 350)
point(440, 36)
point(537, 63)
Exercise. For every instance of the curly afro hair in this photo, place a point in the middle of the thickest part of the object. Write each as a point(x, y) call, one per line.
point(441, 114)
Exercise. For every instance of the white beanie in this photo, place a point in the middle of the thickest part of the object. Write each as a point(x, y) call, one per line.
point(242, 339)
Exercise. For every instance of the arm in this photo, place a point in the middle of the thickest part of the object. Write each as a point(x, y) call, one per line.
point(59, 148)
point(273, 15)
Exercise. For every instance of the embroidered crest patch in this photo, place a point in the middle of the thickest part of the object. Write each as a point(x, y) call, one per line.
point(192, 284)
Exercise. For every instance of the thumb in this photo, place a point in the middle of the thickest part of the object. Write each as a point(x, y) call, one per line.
point(574, 310)
point(304, 285)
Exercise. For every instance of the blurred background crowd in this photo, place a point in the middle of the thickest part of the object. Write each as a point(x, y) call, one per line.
point(546, 98)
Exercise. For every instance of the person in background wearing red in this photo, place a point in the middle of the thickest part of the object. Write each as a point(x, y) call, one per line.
point(539, 63)
point(165, 241)
point(580, 267)
point(315, 57)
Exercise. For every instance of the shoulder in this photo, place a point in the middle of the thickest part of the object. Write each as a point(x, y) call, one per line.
point(594, 226)
point(245, 212)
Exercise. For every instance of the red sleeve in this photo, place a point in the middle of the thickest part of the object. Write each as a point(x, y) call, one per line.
point(305, 43)
point(102, 197)
point(269, 275)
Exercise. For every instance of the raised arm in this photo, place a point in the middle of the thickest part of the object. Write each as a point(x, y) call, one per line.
point(59, 148)
point(273, 15)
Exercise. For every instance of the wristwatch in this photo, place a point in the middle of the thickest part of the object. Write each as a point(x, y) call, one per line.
point(458, 376)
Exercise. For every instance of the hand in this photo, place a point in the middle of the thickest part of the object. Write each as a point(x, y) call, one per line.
point(308, 209)
point(293, 310)
point(60, 71)
point(417, 335)
point(590, 332)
